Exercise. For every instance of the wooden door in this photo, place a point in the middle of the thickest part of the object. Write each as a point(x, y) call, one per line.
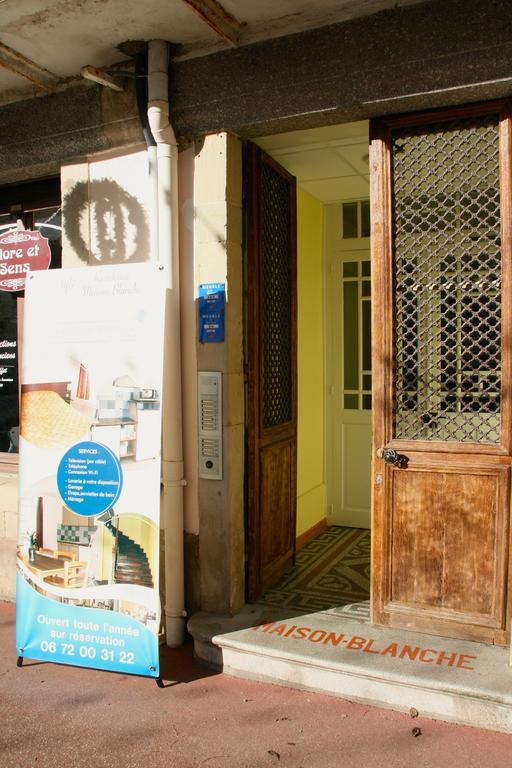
point(271, 369)
point(441, 250)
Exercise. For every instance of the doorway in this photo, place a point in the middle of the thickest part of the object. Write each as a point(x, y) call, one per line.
point(439, 372)
point(442, 429)
point(333, 375)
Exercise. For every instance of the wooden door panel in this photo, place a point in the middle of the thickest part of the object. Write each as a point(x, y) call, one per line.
point(447, 539)
point(277, 518)
point(441, 356)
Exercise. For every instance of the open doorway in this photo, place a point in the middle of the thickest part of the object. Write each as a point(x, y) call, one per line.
point(440, 365)
point(441, 427)
point(332, 565)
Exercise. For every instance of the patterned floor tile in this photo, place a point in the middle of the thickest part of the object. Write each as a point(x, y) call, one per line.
point(331, 571)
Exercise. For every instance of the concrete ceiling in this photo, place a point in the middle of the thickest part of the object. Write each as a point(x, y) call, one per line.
point(330, 163)
point(43, 43)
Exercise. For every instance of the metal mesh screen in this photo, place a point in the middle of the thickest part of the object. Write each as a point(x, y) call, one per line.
point(277, 321)
point(447, 251)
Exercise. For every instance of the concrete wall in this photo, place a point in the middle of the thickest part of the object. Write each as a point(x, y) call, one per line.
point(310, 362)
point(39, 134)
point(411, 58)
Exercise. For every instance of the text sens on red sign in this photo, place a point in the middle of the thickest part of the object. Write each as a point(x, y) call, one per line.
point(21, 252)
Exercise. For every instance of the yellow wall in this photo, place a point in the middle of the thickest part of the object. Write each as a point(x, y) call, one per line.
point(311, 497)
point(105, 561)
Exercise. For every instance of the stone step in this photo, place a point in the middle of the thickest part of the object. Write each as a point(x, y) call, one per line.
point(132, 580)
point(335, 653)
point(132, 548)
point(135, 567)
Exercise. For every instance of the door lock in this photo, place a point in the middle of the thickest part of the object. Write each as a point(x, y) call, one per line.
point(389, 455)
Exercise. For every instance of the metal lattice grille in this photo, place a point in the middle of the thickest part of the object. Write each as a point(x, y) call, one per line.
point(447, 251)
point(277, 325)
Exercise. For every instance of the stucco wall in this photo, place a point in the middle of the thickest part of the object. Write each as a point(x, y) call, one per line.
point(210, 198)
point(310, 362)
point(218, 258)
point(107, 209)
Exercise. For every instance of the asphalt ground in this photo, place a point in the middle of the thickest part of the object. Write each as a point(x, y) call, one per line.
point(53, 716)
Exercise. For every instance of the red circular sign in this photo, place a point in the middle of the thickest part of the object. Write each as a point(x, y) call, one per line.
point(21, 252)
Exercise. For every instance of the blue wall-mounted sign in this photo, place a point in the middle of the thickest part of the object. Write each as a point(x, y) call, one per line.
point(89, 478)
point(212, 302)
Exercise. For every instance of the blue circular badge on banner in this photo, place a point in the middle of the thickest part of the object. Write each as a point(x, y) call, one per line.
point(89, 478)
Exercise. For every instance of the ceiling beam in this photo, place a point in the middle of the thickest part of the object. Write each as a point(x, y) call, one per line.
point(15, 62)
point(101, 77)
point(220, 20)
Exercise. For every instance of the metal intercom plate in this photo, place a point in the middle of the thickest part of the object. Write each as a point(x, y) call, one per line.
point(209, 392)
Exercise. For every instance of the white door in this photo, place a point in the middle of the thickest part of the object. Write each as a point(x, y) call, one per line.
point(348, 358)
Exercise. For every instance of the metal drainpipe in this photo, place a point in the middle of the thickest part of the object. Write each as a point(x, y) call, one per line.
point(172, 438)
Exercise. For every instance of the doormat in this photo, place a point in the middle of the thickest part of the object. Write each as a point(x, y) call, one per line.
point(331, 572)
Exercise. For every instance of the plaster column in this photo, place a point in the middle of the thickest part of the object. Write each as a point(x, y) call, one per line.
point(218, 258)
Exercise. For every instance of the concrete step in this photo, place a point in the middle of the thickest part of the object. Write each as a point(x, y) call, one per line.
point(335, 653)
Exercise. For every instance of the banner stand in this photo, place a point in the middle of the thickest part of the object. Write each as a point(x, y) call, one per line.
point(158, 680)
point(87, 580)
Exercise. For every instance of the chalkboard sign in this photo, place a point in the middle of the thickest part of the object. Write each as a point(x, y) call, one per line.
point(9, 408)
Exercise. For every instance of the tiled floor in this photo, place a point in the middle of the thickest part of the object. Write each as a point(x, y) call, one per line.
point(332, 571)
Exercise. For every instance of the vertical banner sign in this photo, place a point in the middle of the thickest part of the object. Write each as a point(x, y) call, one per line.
point(88, 545)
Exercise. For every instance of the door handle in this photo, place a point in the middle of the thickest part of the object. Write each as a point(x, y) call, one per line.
point(389, 455)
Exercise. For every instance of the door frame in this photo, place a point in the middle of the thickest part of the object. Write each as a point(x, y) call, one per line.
point(258, 438)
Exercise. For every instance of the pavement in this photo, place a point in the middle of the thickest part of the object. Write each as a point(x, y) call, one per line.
point(53, 716)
